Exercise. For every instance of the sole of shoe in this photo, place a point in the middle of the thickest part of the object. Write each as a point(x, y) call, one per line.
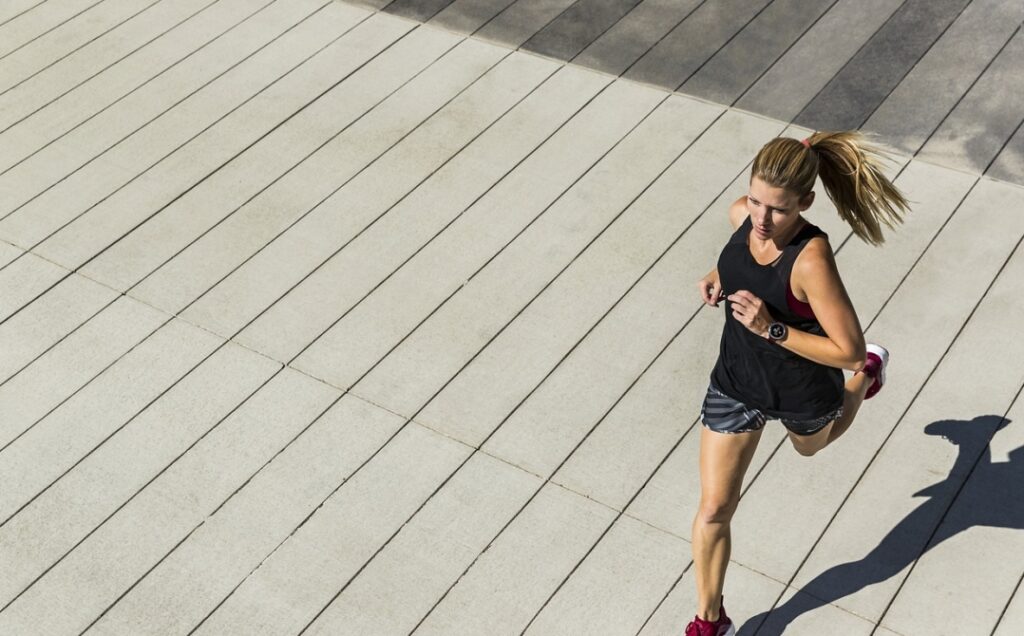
point(883, 355)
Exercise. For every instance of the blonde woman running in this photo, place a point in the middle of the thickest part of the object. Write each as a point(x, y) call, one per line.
point(790, 330)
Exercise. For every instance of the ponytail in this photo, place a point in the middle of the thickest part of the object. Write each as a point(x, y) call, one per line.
point(851, 171)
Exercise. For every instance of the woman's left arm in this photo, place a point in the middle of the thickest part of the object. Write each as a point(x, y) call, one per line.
point(816, 273)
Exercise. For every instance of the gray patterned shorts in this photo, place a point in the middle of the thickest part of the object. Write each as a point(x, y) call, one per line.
point(723, 414)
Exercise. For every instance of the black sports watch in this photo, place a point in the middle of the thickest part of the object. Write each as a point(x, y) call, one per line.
point(777, 331)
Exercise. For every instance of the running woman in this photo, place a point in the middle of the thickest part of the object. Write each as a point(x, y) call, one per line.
point(790, 330)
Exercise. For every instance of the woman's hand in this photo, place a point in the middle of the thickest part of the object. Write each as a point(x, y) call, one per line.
point(751, 312)
point(710, 288)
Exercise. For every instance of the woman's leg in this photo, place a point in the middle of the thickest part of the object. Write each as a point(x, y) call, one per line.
point(853, 397)
point(724, 459)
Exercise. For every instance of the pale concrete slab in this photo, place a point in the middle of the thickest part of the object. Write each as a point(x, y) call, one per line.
point(420, 127)
point(590, 231)
point(914, 109)
point(76, 361)
point(277, 97)
point(545, 429)
point(85, 497)
point(617, 585)
point(510, 367)
point(415, 222)
point(29, 25)
point(263, 175)
point(8, 253)
point(26, 175)
point(125, 546)
point(295, 123)
point(512, 578)
point(54, 45)
point(45, 452)
point(340, 529)
point(401, 584)
point(617, 111)
point(358, 341)
point(35, 329)
point(747, 592)
point(635, 34)
point(116, 82)
point(878, 532)
point(14, 8)
point(972, 135)
point(793, 81)
point(57, 81)
point(24, 279)
point(33, 213)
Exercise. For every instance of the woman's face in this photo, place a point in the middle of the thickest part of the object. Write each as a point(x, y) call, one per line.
point(774, 210)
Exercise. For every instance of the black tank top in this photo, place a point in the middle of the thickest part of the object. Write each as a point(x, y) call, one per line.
point(760, 373)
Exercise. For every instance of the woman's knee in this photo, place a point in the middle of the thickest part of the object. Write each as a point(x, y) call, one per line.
point(716, 510)
point(804, 447)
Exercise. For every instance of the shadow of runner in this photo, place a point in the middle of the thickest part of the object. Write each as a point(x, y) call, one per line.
point(988, 501)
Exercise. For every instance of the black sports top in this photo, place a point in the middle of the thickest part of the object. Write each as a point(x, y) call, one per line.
point(759, 373)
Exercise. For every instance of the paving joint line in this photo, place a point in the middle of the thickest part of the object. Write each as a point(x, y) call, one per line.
point(21, 13)
point(56, 26)
point(132, 91)
point(151, 120)
point(75, 50)
point(301, 161)
point(215, 170)
point(112, 64)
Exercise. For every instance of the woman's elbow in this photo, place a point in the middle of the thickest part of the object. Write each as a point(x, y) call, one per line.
point(858, 355)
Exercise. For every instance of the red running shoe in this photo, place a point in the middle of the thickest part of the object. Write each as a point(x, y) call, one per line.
point(722, 627)
point(878, 359)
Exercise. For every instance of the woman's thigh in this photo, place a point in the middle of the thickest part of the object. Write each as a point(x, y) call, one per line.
point(724, 458)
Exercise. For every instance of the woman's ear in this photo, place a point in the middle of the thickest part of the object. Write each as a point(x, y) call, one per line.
point(806, 200)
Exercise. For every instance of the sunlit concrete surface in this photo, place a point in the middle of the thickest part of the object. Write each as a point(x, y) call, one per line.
point(317, 318)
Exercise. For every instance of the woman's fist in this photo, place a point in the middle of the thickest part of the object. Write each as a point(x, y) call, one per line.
point(710, 289)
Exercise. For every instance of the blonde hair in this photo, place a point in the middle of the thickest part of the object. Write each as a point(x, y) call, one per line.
point(849, 167)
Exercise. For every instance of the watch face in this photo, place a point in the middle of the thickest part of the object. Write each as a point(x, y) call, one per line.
point(776, 331)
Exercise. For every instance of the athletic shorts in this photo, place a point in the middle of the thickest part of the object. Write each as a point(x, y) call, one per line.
point(723, 414)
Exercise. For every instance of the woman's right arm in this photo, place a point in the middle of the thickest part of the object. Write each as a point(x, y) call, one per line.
point(710, 286)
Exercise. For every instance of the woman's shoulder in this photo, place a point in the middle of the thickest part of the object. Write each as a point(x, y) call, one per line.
point(738, 212)
point(816, 258)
